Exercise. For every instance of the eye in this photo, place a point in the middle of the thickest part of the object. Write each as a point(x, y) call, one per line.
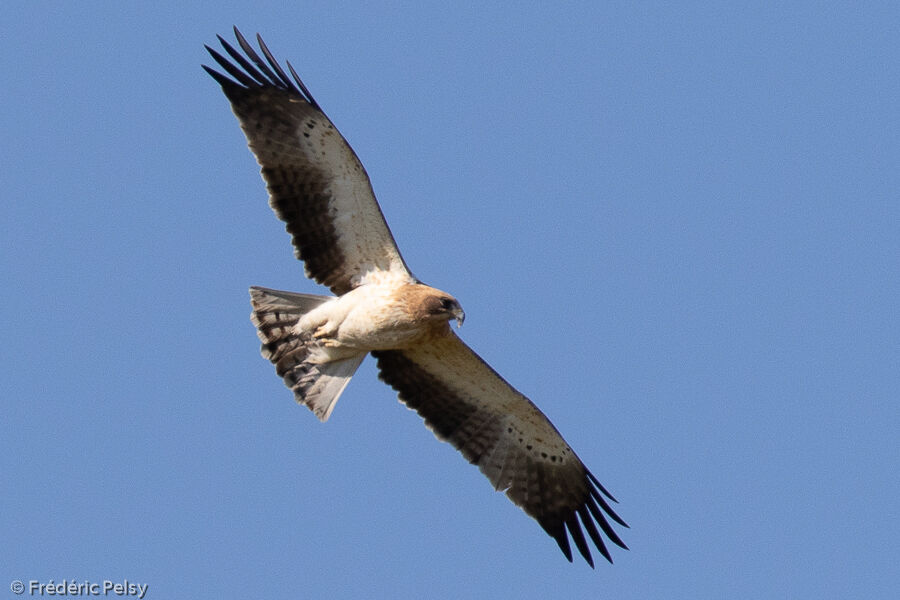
point(447, 303)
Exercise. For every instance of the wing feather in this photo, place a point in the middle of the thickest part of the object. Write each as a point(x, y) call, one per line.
point(316, 183)
point(465, 402)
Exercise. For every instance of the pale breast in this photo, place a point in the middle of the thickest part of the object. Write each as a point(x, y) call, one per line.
point(370, 317)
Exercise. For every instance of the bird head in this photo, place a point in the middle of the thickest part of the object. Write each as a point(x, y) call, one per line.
point(443, 307)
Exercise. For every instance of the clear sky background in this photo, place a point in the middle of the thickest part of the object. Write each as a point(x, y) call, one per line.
point(676, 228)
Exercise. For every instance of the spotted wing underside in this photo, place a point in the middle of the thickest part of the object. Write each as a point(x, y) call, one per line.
point(316, 183)
point(465, 402)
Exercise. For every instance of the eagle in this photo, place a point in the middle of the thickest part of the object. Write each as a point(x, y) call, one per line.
point(319, 188)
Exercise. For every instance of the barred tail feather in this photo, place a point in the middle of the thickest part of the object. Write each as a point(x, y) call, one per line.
point(316, 384)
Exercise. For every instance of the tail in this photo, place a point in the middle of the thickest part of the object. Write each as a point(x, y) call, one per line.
point(316, 385)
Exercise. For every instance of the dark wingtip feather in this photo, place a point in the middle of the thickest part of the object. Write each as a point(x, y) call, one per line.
point(278, 71)
point(607, 508)
point(259, 79)
point(592, 531)
point(303, 88)
point(249, 70)
point(221, 79)
point(578, 537)
point(558, 533)
point(600, 487)
point(604, 525)
point(241, 77)
point(590, 517)
point(264, 69)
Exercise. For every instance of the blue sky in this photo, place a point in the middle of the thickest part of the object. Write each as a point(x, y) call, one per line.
point(676, 228)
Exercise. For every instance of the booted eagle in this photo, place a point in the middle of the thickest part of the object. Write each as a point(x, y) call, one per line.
point(319, 188)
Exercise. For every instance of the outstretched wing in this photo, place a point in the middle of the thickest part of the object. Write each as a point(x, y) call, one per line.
point(316, 183)
point(465, 402)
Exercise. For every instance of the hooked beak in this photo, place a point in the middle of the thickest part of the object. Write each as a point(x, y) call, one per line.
point(460, 316)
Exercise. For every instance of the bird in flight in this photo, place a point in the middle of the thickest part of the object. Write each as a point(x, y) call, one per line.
point(319, 188)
